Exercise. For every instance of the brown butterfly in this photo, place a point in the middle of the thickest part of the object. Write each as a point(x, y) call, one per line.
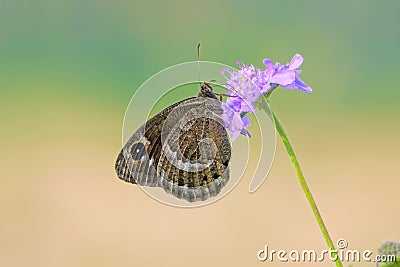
point(184, 149)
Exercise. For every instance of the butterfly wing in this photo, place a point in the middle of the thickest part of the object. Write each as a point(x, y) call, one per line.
point(138, 158)
point(184, 149)
point(194, 165)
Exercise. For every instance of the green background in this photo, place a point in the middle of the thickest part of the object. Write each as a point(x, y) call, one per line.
point(69, 68)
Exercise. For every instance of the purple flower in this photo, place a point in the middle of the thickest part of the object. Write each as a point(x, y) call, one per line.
point(389, 248)
point(234, 122)
point(248, 83)
point(286, 76)
point(242, 86)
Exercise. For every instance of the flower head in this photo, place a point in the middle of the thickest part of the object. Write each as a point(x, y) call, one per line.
point(248, 83)
point(242, 86)
point(389, 248)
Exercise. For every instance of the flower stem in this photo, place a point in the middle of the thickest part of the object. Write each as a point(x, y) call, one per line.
point(305, 187)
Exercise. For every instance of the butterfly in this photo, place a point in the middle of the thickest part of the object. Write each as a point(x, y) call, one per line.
point(184, 149)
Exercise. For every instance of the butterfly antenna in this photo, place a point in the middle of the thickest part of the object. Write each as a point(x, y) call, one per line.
point(198, 62)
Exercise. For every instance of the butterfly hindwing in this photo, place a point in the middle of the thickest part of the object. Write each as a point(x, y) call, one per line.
point(194, 165)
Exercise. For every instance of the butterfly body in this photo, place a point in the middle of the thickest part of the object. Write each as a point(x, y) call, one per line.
point(184, 149)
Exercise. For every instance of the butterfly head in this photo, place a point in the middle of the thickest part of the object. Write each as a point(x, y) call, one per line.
point(207, 91)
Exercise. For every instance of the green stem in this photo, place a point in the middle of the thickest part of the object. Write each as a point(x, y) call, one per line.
point(305, 187)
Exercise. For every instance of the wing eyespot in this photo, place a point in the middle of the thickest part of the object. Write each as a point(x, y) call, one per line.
point(138, 150)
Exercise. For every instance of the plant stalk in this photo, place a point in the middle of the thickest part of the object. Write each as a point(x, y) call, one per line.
point(304, 186)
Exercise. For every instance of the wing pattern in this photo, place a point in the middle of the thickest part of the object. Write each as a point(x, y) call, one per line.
point(184, 149)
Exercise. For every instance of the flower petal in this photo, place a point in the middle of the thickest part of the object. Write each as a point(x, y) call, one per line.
point(234, 103)
point(296, 62)
point(234, 135)
point(283, 78)
point(245, 120)
point(289, 86)
point(245, 132)
point(265, 88)
point(302, 86)
point(247, 107)
point(270, 68)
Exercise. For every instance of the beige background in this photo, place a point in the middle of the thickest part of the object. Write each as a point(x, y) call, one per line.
point(68, 70)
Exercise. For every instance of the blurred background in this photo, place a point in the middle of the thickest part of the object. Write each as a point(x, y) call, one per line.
point(69, 68)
